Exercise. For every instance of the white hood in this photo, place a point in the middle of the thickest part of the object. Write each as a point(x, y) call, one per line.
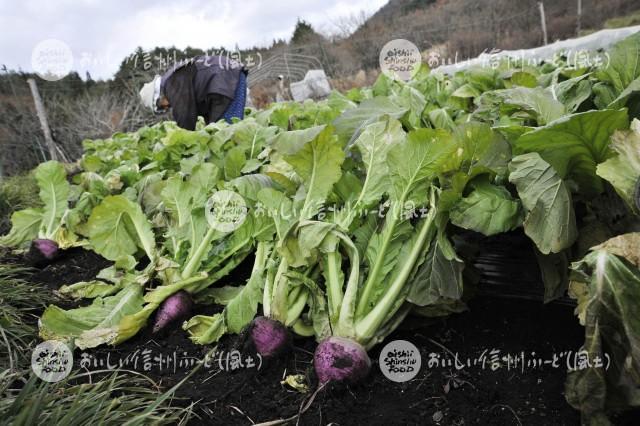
point(150, 93)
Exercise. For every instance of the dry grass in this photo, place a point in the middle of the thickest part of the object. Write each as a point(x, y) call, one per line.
point(115, 399)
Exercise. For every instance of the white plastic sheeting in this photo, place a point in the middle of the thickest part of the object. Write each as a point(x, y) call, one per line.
point(315, 85)
point(574, 46)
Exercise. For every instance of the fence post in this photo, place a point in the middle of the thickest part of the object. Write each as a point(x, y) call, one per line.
point(543, 22)
point(42, 116)
point(579, 18)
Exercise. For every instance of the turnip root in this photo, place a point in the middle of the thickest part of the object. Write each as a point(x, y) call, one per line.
point(176, 307)
point(338, 359)
point(270, 337)
point(42, 252)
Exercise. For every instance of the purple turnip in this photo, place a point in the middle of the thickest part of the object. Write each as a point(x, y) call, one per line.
point(42, 252)
point(270, 337)
point(338, 359)
point(175, 307)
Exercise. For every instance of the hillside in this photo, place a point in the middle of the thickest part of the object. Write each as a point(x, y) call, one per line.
point(468, 27)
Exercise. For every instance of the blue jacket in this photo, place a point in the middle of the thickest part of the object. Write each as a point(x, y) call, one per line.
point(205, 86)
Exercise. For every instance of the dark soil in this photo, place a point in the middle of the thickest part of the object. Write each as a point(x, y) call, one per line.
point(71, 267)
point(437, 395)
point(443, 395)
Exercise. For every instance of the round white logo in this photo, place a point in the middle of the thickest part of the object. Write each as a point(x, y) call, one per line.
point(225, 211)
point(52, 361)
point(400, 361)
point(51, 59)
point(400, 59)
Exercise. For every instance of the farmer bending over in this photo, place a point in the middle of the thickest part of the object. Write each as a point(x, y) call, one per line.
point(209, 86)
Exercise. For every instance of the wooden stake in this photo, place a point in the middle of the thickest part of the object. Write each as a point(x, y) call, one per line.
point(543, 22)
point(42, 116)
point(579, 18)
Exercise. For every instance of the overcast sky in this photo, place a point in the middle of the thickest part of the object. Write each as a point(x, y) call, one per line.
point(101, 33)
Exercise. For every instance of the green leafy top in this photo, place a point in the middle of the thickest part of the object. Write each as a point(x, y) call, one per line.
point(574, 145)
